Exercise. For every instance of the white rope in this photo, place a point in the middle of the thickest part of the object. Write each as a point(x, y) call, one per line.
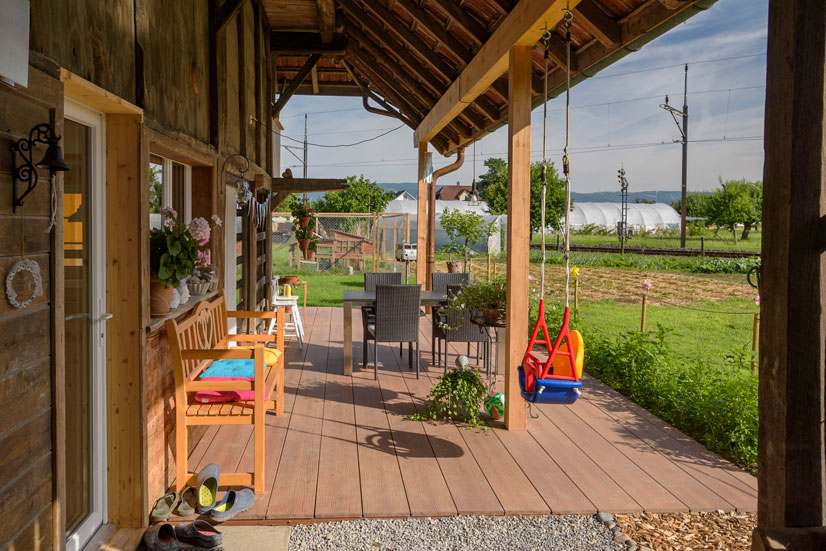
point(546, 37)
point(566, 160)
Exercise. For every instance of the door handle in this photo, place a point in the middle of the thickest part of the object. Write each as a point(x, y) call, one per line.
point(78, 316)
point(106, 316)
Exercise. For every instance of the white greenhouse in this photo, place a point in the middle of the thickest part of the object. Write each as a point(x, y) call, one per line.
point(648, 216)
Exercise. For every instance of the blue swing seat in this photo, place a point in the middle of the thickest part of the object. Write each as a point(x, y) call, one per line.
point(550, 391)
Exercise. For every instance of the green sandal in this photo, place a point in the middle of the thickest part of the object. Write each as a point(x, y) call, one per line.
point(189, 500)
point(164, 507)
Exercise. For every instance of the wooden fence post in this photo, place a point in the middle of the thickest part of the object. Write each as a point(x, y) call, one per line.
point(755, 342)
point(644, 308)
point(576, 293)
point(488, 267)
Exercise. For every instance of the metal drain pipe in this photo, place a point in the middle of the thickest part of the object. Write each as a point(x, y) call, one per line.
point(431, 213)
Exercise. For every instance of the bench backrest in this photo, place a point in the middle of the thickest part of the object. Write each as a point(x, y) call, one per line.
point(205, 328)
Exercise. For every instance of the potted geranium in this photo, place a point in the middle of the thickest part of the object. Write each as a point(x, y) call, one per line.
point(172, 255)
point(304, 224)
point(485, 300)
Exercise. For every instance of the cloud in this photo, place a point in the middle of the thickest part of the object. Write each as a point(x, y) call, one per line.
point(614, 120)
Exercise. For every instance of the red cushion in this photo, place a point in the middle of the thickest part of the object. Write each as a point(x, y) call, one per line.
point(216, 396)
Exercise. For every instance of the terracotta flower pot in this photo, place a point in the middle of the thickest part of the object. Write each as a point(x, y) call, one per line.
point(159, 298)
point(304, 245)
point(304, 221)
point(487, 317)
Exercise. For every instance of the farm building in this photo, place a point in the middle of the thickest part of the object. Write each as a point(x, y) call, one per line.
point(97, 418)
point(648, 216)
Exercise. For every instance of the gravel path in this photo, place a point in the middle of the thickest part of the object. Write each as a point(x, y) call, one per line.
point(551, 533)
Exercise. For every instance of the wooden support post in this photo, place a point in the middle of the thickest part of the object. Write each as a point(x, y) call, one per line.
point(791, 455)
point(375, 242)
point(576, 293)
point(703, 247)
point(519, 199)
point(755, 342)
point(421, 220)
point(644, 311)
point(488, 267)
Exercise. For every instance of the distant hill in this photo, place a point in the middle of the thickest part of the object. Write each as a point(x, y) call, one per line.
point(667, 197)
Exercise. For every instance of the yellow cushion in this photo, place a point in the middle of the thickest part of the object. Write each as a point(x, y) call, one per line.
point(271, 355)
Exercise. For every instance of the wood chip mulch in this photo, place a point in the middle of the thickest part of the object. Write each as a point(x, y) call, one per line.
point(690, 531)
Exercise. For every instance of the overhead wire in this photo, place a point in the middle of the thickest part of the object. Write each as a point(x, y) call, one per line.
point(376, 137)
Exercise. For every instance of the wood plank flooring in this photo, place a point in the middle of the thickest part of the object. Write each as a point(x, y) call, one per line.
point(346, 448)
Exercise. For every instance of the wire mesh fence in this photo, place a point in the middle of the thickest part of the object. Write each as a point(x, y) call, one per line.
point(347, 243)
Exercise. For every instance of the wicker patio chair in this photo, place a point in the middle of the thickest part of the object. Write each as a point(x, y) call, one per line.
point(467, 331)
point(397, 320)
point(439, 282)
point(368, 313)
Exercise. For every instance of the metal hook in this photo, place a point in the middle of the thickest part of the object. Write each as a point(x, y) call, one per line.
point(569, 15)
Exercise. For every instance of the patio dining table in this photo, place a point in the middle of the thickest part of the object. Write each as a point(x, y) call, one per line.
point(368, 298)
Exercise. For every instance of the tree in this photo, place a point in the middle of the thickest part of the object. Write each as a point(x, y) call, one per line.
point(495, 193)
point(697, 205)
point(468, 226)
point(155, 188)
point(737, 202)
point(363, 195)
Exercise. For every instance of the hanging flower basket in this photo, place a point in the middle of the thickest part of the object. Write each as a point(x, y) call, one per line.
point(306, 248)
point(304, 221)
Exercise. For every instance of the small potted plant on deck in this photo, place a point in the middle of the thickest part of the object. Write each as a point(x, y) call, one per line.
point(485, 299)
point(172, 256)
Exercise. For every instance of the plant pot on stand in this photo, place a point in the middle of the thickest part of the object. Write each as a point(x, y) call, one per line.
point(306, 251)
point(159, 298)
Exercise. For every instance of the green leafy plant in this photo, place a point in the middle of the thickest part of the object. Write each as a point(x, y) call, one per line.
point(478, 295)
point(467, 226)
point(729, 265)
point(172, 250)
point(456, 397)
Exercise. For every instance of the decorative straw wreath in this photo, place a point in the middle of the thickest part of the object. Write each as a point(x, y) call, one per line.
point(24, 266)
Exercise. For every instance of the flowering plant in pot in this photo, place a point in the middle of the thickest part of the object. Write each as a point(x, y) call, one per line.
point(485, 299)
point(206, 275)
point(304, 227)
point(172, 255)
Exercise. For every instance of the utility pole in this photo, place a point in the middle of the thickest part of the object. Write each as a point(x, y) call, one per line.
point(684, 132)
point(305, 164)
point(623, 225)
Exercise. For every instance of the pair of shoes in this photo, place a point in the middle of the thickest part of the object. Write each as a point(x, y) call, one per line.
point(165, 537)
point(206, 491)
point(163, 508)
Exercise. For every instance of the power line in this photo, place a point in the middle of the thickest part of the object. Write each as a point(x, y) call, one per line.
point(326, 145)
point(612, 75)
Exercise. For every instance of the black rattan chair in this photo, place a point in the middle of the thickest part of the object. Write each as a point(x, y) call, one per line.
point(439, 282)
point(397, 320)
point(368, 313)
point(467, 331)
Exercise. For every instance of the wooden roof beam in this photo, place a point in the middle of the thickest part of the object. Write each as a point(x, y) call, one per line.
point(291, 87)
point(436, 28)
point(594, 20)
point(522, 27)
point(407, 36)
point(225, 14)
point(462, 18)
point(326, 19)
point(295, 43)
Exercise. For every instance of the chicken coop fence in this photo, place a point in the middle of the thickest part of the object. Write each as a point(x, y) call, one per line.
point(346, 243)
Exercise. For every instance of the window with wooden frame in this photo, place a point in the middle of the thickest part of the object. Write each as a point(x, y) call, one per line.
point(170, 185)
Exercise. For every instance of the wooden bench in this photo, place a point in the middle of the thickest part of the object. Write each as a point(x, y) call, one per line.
point(197, 341)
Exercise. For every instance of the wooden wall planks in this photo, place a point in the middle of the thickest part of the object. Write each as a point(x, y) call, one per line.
point(26, 366)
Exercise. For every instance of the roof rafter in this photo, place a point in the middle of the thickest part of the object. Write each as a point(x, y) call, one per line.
point(462, 18)
point(326, 19)
point(523, 26)
point(594, 20)
point(436, 28)
point(291, 87)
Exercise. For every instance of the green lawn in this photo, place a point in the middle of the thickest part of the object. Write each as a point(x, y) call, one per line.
point(695, 334)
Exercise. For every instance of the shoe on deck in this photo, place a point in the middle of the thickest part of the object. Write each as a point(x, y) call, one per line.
point(164, 507)
point(232, 504)
point(159, 537)
point(207, 488)
point(199, 533)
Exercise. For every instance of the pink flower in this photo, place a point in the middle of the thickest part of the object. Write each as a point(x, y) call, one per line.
point(169, 212)
point(199, 228)
point(757, 300)
point(168, 223)
point(646, 285)
point(216, 220)
point(530, 277)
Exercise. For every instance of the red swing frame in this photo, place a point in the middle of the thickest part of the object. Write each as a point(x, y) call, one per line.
point(533, 367)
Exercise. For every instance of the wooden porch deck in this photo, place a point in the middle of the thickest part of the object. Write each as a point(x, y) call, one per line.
point(345, 448)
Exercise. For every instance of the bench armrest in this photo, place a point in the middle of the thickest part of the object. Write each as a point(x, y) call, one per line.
point(251, 338)
point(250, 315)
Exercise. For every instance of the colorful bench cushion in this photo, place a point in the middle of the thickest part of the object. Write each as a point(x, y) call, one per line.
point(233, 370)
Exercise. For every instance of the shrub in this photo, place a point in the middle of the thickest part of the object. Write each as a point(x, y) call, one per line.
point(457, 396)
point(715, 404)
point(729, 265)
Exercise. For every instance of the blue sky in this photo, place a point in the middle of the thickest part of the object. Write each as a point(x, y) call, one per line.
point(615, 116)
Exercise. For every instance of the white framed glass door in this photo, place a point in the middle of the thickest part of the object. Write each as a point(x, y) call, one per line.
point(84, 271)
